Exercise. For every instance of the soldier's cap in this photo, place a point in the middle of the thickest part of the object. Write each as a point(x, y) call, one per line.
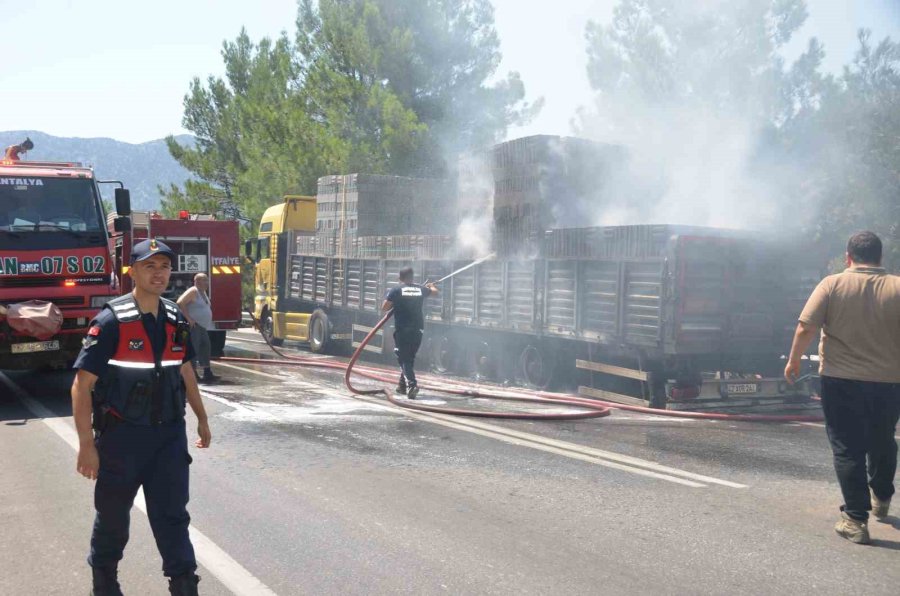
point(150, 248)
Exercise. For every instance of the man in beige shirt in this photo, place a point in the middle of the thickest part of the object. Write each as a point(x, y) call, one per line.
point(858, 312)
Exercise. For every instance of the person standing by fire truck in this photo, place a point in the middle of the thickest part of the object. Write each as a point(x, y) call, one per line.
point(409, 325)
point(859, 314)
point(134, 376)
point(197, 309)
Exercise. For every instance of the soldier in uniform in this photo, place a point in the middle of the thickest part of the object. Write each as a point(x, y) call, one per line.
point(134, 378)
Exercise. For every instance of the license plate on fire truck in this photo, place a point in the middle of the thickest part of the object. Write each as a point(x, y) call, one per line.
point(35, 346)
point(741, 388)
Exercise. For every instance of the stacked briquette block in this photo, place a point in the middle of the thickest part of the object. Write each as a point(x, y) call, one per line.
point(543, 182)
point(353, 207)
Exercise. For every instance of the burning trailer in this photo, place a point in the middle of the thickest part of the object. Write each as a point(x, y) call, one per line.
point(660, 315)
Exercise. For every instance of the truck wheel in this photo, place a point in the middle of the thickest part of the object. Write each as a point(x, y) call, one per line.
point(484, 365)
point(443, 356)
point(319, 332)
point(658, 397)
point(536, 366)
point(269, 331)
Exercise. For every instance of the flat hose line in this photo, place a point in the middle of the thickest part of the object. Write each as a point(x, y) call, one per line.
point(595, 408)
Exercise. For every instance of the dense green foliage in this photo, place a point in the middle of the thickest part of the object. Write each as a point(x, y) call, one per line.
point(812, 153)
point(380, 86)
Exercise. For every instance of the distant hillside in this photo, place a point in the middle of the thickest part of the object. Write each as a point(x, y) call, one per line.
point(141, 167)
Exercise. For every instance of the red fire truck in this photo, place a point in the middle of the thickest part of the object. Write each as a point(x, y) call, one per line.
point(203, 245)
point(54, 248)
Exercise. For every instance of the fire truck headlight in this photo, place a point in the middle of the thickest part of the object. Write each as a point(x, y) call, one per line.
point(99, 301)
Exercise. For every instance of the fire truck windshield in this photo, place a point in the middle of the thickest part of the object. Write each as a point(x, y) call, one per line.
point(49, 205)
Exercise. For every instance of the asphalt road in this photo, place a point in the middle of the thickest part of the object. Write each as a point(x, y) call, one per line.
point(307, 490)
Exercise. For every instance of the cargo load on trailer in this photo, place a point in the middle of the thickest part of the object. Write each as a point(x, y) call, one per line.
point(666, 315)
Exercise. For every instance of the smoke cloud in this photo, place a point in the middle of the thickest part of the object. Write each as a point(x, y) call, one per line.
point(694, 124)
point(475, 204)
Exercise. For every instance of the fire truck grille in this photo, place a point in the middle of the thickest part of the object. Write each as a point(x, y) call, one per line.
point(72, 324)
point(63, 301)
point(29, 282)
point(45, 282)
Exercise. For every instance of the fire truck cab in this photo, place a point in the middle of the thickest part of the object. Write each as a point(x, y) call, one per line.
point(203, 245)
point(54, 248)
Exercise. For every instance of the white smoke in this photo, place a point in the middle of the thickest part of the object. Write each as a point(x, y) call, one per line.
point(692, 156)
point(475, 196)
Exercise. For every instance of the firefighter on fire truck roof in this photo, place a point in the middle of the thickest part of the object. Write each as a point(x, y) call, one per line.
point(14, 151)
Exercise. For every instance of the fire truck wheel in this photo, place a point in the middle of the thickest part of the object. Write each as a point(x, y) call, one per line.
point(269, 331)
point(319, 332)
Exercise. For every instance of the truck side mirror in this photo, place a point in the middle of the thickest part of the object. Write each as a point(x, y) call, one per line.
point(248, 249)
point(122, 224)
point(123, 201)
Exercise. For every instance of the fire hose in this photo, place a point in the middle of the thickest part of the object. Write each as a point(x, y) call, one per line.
point(596, 408)
point(591, 408)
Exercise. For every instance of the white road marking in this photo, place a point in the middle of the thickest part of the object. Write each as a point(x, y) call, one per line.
point(609, 459)
point(228, 571)
point(245, 369)
point(248, 340)
point(583, 450)
point(820, 425)
point(240, 407)
point(621, 417)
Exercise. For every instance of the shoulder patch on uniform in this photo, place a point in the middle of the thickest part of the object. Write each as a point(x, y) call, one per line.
point(135, 344)
point(94, 331)
point(88, 342)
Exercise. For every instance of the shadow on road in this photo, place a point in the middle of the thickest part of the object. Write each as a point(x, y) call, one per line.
point(49, 388)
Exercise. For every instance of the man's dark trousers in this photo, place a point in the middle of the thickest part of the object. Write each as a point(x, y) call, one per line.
point(155, 457)
point(407, 342)
point(861, 418)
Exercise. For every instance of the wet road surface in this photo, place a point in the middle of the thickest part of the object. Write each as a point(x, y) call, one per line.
point(307, 490)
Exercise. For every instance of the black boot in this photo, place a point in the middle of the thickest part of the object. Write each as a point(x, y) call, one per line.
point(184, 584)
point(106, 582)
point(208, 376)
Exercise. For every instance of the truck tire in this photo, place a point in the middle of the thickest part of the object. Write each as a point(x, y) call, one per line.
point(484, 363)
point(443, 355)
point(537, 365)
point(658, 397)
point(268, 331)
point(319, 332)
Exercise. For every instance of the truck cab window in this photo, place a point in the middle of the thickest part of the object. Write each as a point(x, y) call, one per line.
point(48, 204)
point(263, 248)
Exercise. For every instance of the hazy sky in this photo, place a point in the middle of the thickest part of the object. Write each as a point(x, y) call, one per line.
point(110, 68)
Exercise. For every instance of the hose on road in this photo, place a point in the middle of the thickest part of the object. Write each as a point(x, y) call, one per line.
point(588, 408)
point(594, 408)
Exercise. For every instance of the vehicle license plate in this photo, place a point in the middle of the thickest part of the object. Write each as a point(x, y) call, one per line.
point(741, 388)
point(35, 346)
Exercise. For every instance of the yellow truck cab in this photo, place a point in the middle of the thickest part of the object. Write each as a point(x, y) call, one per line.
point(278, 229)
